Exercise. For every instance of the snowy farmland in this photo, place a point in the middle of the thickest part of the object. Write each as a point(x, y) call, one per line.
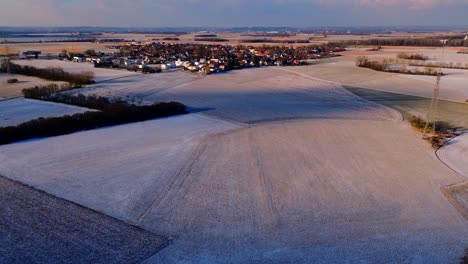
point(454, 86)
point(225, 192)
point(115, 169)
point(100, 74)
point(19, 110)
point(247, 96)
point(455, 154)
point(137, 87)
point(275, 166)
point(14, 89)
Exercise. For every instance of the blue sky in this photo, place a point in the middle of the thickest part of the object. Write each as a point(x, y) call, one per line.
point(225, 13)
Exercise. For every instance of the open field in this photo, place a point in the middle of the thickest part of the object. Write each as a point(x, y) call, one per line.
point(236, 196)
point(100, 74)
point(454, 113)
point(14, 90)
point(453, 87)
point(249, 95)
point(18, 110)
point(36, 227)
point(270, 191)
point(455, 154)
point(137, 87)
point(276, 166)
point(289, 200)
point(458, 196)
point(113, 170)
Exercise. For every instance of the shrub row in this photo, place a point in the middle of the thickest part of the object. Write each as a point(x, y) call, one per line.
point(415, 56)
point(51, 73)
point(114, 114)
point(385, 66)
point(52, 93)
point(40, 91)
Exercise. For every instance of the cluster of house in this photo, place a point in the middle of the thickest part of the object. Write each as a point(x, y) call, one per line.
point(205, 58)
point(210, 58)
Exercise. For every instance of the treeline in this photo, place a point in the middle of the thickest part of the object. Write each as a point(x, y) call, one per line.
point(278, 41)
point(51, 73)
point(113, 114)
point(414, 56)
point(40, 91)
point(425, 42)
point(212, 39)
point(53, 93)
point(387, 66)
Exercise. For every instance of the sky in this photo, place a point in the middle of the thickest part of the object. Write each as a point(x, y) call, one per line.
point(233, 13)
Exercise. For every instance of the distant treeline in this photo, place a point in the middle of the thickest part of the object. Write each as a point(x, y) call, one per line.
point(206, 36)
point(265, 34)
point(114, 114)
point(290, 41)
point(51, 73)
point(212, 39)
point(171, 38)
point(427, 42)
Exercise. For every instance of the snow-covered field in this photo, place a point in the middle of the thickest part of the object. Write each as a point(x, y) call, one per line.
point(453, 87)
point(100, 74)
point(137, 87)
point(455, 154)
point(247, 95)
point(16, 111)
point(331, 178)
point(14, 90)
point(307, 190)
point(114, 170)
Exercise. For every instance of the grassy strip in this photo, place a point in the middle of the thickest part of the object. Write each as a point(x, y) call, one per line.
point(51, 73)
point(112, 114)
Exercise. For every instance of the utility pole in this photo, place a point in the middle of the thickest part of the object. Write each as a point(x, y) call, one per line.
point(432, 115)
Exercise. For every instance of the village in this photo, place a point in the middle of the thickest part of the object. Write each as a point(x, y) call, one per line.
point(152, 57)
